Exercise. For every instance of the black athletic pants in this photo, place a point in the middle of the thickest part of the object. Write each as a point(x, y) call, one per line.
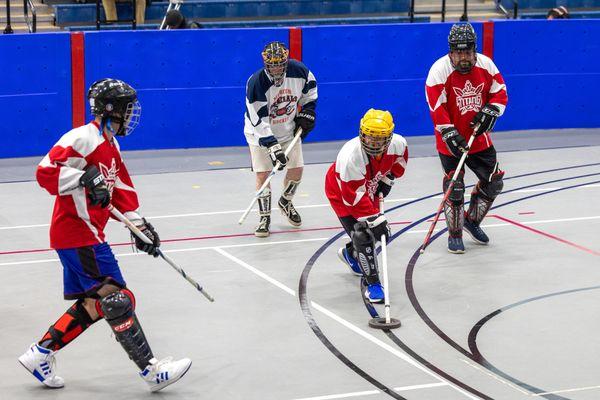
point(481, 163)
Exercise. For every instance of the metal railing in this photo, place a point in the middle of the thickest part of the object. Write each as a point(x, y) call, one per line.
point(8, 28)
point(503, 10)
point(412, 12)
point(31, 22)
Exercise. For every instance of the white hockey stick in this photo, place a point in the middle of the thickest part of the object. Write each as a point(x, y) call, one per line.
point(146, 240)
point(384, 266)
point(271, 174)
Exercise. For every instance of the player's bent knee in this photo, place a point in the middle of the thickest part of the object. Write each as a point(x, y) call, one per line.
point(494, 186)
point(457, 195)
point(117, 306)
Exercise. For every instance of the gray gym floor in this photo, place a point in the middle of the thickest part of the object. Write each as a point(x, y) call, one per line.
point(512, 320)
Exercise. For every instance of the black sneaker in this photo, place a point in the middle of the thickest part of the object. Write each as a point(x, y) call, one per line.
point(476, 233)
point(287, 209)
point(262, 230)
point(455, 245)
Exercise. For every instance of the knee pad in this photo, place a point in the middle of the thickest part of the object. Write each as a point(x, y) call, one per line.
point(117, 308)
point(457, 195)
point(494, 185)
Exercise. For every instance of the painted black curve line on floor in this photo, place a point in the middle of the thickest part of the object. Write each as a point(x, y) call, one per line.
point(472, 340)
point(423, 315)
point(305, 303)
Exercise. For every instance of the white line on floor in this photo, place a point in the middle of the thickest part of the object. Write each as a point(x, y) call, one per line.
point(496, 377)
point(342, 321)
point(201, 214)
point(226, 246)
point(371, 392)
point(568, 390)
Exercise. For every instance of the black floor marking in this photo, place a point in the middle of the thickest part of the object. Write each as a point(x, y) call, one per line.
point(305, 303)
point(477, 327)
point(417, 306)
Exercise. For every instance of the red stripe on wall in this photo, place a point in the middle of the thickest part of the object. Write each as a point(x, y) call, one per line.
point(296, 43)
point(78, 78)
point(488, 39)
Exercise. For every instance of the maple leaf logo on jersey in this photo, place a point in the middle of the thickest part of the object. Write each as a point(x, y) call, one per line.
point(110, 174)
point(373, 184)
point(468, 98)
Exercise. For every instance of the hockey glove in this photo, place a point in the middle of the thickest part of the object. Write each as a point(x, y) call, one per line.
point(94, 182)
point(385, 185)
point(148, 230)
point(378, 225)
point(306, 120)
point(276, 154)
point(485, 119)
point(456, 143)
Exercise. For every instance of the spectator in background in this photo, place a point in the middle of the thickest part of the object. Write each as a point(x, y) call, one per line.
point(176, 20)
point(110, 9)
point(558, 13)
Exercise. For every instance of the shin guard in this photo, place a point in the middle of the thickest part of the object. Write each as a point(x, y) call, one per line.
point(290, 190)
point(453, 207)
point(363, 242)
point(264, 203)
point(119, 311)
point(483, 196)
point(67, 328)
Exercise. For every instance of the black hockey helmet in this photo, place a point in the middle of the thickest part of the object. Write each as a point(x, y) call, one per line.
point(115, 100)
point(462, 42)
point(462, 37)
point(275, 56)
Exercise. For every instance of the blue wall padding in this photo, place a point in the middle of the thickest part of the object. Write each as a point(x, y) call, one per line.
point(191, 83)
point(66, 13)
point(551, 69)
point(35, 95)
point(359, 67)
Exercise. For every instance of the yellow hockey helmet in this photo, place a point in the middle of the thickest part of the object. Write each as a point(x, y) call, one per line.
point(275, 57)
point(376, 128)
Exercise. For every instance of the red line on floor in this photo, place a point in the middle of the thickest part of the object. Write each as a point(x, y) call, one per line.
point(548, 235)
point(327, 228)
point(527, 213)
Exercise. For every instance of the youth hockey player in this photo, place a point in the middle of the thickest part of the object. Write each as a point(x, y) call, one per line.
point(86, 173)
point(466, 94)
point(279, 98)
point(366, 166)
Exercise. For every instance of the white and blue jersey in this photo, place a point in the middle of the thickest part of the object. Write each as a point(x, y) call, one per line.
point(270, 109)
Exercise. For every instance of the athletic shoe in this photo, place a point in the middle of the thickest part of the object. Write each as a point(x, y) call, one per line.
point(287, 209)
point(476, 233)
point(456, 245)
point(262, 230)
point(41, 362)
point(160, 374)
point(350, 261)
point(374, 293)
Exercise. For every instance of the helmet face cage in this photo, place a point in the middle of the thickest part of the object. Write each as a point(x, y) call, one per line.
point(374, 145)
point(462, 43)
point(115, 100)
point(133, 113)
point(275, 57)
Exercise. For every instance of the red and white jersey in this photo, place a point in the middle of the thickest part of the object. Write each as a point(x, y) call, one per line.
point(75, 222)
point(352, 180)
point(455, 98)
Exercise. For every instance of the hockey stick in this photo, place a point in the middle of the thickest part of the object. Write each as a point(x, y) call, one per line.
point(297, 135)
point(463, 158)
point(387, 322)
point(146, 240)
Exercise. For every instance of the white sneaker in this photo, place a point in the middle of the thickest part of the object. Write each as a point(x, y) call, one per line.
point(160, 374)
point(41, 362)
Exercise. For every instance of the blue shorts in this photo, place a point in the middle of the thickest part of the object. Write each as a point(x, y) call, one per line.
point(87, 269)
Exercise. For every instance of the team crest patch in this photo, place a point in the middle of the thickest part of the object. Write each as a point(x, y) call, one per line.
point(110, 174)
point(283, 105)
point(468, 98)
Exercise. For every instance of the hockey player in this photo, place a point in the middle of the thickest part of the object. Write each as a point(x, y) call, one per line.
point(466, 94)
point(366, 166)
point(279, 98)
point(86, 173)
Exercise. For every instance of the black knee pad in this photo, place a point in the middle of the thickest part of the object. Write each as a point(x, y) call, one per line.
point(493, 187)
point(118, 307)
point(457, 195)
